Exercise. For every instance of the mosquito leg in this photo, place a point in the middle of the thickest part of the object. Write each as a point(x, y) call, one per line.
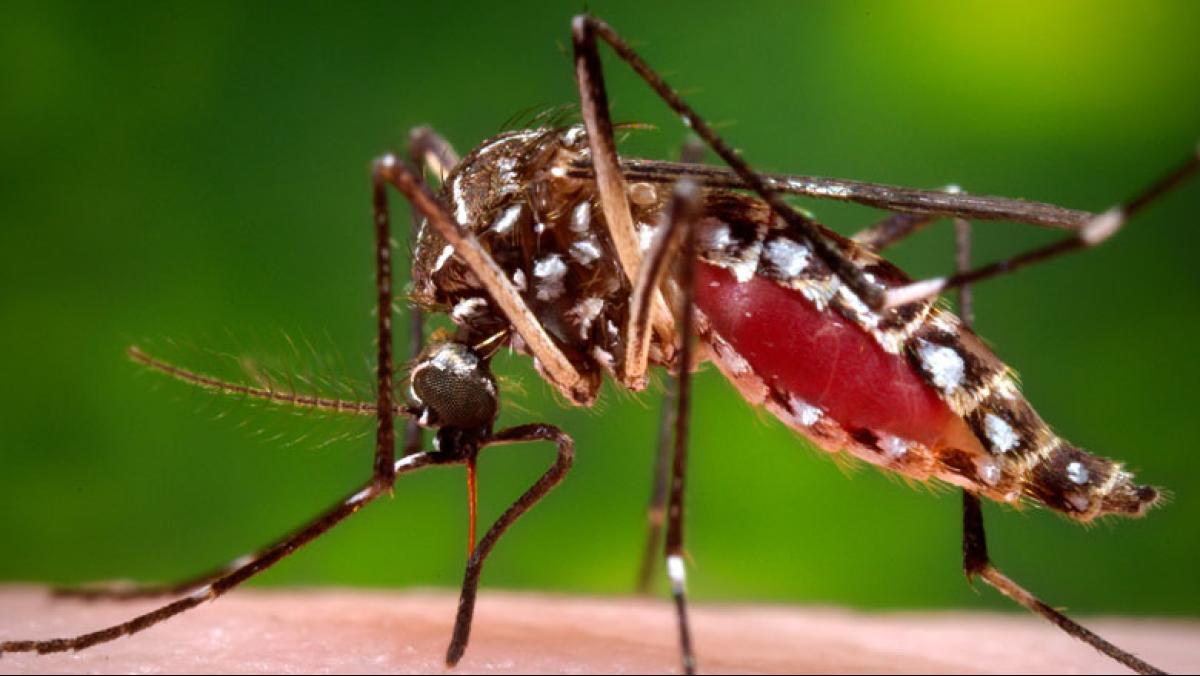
point(977, 564)
point(614, 202)
point(891, 229)
point(385, 431)
point(430, 154)
point(656, 511)
point(544, 484)
point(385, 452)
point(1092, 233)
point(975, 555)
point(585, 30)
point(692, 151)
point(428, 151)
point(237, 573)
point(684, 208)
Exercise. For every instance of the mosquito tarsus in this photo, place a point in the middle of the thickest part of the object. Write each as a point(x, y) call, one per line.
point(644, 231)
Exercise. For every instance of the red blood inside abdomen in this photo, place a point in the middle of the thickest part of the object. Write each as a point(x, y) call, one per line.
point(821, 357)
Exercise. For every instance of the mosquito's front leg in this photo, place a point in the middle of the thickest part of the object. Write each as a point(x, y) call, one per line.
point(242, 570)
point(544, 484)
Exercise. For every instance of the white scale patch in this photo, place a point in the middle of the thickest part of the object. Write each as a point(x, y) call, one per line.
point(944, 365)
point(585, 312)
point(819, 293)
point(816, 189)
point(519, 280)
point(989, 471)
point(803, 412)
point(403, 463)
point(677, 573)
point(550, 272)
point(508, 177)
point(1079, 501)
point(858, 310)
point(744, 263)
point(359, 496)
point(735, 362)
point(646, 233)
point(894, 446)
point(461, 212)
point(585, 251)
point(504, 223)
point(790, 258)
point(455, 359)
point(1077, 473)
point(447, 252)
point(467, 308)
point(581, 217)
point(202, 592)
point(1001, 435)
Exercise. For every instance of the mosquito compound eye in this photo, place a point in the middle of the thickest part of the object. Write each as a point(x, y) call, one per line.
point(454, 388)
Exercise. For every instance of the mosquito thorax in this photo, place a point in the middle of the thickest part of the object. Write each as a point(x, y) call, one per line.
point(453, 387)
point(545, 230)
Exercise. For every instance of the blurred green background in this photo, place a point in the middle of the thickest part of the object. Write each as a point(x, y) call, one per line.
point(200, 172)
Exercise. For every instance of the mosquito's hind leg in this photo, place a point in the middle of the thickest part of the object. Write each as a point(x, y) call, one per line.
point(977, 564)
point(1091, 233)
point(975, 554)
point(544, 484)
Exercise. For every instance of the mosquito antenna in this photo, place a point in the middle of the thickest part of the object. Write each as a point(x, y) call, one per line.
point(268, 394)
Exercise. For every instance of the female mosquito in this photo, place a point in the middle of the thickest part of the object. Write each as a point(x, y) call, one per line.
point(546, 241)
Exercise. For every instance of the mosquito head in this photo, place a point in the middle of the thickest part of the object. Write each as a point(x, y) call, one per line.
point(454, 388)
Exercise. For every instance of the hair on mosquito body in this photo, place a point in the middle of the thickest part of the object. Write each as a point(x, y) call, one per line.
point(600, 267)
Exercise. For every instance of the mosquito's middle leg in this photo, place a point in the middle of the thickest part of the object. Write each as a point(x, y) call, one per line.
point(674, 245)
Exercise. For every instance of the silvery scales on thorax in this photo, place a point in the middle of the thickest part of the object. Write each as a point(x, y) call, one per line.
point(545, 241)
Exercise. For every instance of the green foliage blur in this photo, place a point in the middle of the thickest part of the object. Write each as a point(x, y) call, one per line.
point(193, 177)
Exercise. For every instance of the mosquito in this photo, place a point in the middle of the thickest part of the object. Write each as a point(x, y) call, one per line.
point(546, 241)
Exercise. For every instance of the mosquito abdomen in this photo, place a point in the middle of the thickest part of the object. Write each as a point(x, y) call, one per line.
point(912, 390)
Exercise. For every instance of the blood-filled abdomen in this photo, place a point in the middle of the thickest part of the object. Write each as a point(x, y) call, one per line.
point(822, 359)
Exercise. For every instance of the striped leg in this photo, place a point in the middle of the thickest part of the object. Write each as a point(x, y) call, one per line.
point(238, 572)
point(685, 206)
point(1091, 233)
point(691, 153)
point(384, 409)
point(975, 554)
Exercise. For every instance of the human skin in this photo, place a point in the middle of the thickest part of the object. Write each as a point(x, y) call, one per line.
point(377, 631)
